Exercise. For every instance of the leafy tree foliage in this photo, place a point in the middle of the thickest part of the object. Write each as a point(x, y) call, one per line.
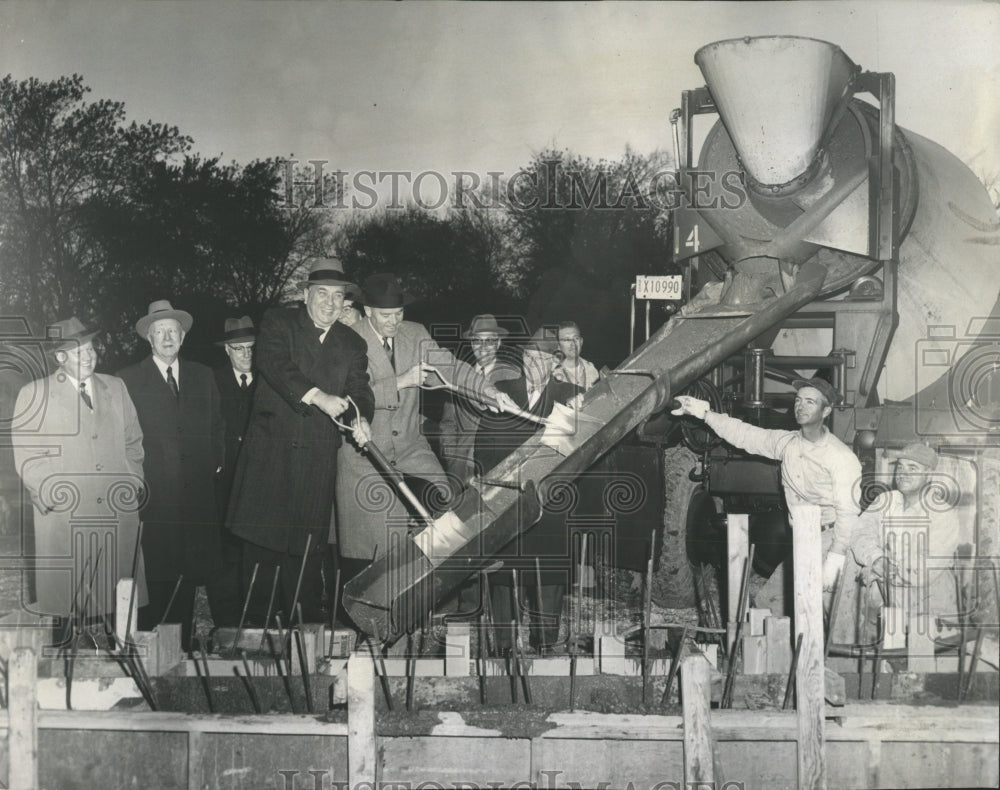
point(100, 217)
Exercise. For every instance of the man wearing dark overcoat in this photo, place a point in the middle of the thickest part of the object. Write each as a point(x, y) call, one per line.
point(283, 494)
point(236, 382)
point(183, 436)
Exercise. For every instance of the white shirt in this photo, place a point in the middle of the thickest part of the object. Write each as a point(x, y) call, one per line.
point(239, 380)
point(174, 368)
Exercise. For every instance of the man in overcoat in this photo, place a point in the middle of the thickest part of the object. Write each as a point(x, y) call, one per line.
point(183, 436)
point(400, 355)
point(78, 449)
point(286, 473)
point(236, 381)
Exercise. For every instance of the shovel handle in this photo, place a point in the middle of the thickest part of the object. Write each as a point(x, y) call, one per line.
point(469, 394)
point(373, 452)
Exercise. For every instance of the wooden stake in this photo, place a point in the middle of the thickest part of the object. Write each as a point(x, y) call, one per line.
point(699, 752)
point(807, 558)
point(361, 746)
point(22, 747)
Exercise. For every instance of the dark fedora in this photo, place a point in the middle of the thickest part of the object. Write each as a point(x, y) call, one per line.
point(237, 329)
point(326, 271)
point(159, 310)
point(69, 333)
point(383, 291)
point(482, 324)
point(825, 387)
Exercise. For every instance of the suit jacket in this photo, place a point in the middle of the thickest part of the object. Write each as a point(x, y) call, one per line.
point(236, 403)
point(184, 442)
point(285, 475)
point(83, 470)
point(366, 502)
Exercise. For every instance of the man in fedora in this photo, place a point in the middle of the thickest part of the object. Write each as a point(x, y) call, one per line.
point(78, 448)
point(184, 439)
point(283, 492)
point(816, 468)
point(236, 382)
point(462, 418)
point(400, 356)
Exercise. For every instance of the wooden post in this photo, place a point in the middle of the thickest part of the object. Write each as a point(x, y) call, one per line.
point(457, 651)
point(22, 740)
point(123, 603)
point(738, 548)
point(699, 761)
point(361, 752)
point(778, 631)
point(807, 569)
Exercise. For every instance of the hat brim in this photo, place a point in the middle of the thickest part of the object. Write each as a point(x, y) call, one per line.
point(377, 305)
point(833, 396)
point(303, 284)
point(499, 330)
point(243, 334)
point(74, 342)
point(182, 317)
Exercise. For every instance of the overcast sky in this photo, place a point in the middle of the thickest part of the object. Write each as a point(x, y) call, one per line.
point(480, 86)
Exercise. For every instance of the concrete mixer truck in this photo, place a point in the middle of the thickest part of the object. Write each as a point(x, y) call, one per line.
point(862, 252)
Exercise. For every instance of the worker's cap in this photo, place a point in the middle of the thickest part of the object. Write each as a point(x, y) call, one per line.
point(920, 453)
point(825, 387)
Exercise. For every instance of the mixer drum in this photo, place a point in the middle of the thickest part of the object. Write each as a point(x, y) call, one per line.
point(949, 252)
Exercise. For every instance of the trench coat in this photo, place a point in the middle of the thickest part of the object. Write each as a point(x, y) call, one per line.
point(184, 442)
point(284, 487)
point(368, 508)
point(83, 470)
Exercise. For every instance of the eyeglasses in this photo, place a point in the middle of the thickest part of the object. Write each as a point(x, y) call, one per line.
point(485, 341)
point(241, 349)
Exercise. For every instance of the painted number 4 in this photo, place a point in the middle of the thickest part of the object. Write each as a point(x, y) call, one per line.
point(692, 240)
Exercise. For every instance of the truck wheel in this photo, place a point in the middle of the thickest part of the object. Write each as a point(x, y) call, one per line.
point(687, 508)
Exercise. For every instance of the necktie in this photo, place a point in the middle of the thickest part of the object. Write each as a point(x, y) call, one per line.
point(172, 382)
point(243, 381)
point(85, 396)
point(388, 350)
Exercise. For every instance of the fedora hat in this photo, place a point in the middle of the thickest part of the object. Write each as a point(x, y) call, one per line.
point(159, 310)
point(326, 271)
point(825, 387)
point(484, 323)
point(237, 329)
point(383, 291)
point(68, 333)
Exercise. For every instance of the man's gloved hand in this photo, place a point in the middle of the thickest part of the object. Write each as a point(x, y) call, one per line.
point(693, 406)
point(832, 565)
